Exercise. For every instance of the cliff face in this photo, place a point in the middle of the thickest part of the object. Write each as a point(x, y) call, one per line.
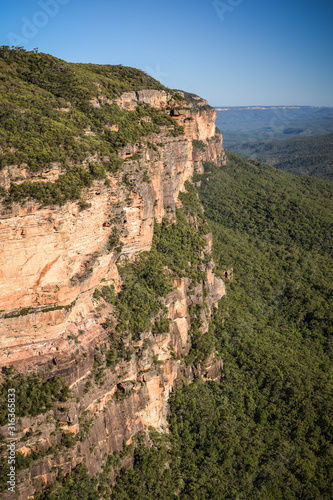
point(52, 260)
point(53, 257)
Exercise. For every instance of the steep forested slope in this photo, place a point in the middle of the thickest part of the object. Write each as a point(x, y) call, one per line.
point(274, 402)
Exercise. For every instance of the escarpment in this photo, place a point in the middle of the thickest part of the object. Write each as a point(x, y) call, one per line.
point(62, 267)
point(52, 258)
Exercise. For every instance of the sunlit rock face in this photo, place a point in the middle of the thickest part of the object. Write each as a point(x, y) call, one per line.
point(53, 257)
point(51, 261)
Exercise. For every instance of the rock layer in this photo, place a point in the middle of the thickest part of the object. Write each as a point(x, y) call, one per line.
point(52, 260)
point(55, 257)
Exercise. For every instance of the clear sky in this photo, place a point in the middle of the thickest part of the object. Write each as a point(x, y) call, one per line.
point(231, 52)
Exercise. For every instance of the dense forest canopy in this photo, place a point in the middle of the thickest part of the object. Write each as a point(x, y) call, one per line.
point(300, 155)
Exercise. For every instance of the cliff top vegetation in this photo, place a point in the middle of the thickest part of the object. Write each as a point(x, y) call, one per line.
point(59, 114)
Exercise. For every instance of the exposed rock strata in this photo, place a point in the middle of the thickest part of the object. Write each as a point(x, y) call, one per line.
point(52, 259)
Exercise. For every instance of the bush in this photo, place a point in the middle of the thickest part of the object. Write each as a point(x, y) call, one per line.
point(198, 145)
point(33, 394)
point(67, 187)
point(68, 440)
point(161, 325)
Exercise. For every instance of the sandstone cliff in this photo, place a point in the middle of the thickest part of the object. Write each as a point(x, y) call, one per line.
point(52, 259)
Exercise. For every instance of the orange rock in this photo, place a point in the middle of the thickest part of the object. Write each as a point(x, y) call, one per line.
point(52, 260)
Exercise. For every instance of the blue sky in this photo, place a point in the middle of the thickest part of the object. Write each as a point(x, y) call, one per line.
point(231, 52)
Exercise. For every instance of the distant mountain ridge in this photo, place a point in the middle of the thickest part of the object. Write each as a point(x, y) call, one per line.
point(225, 108)
point(261, 123)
